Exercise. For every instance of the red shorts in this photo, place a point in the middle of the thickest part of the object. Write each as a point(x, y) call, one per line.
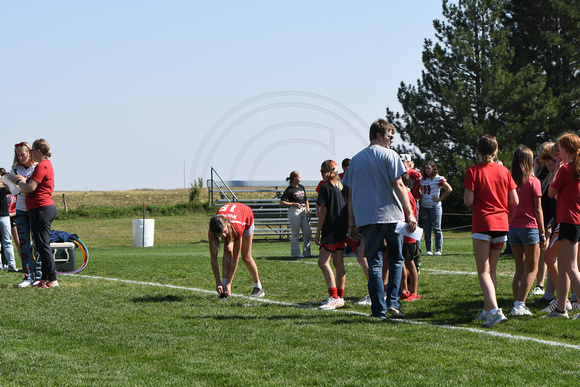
point(333, 247)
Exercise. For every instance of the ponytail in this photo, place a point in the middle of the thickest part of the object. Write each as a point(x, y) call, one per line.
point(330, 167)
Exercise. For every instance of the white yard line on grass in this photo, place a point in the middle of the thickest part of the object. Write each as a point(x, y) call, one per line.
point(290, 304)
point(430, 271)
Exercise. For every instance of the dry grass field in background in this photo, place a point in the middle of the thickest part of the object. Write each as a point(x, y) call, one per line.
point(138, 197)
point(76, 199)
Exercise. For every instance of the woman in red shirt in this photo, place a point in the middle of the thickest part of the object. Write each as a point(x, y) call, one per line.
point(234, 223)
point(567, 186)
point(41, 208)
point(489, 188)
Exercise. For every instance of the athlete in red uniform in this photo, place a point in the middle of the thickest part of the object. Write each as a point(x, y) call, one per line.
point(234, 223)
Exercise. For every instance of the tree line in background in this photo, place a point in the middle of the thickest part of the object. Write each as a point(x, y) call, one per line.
point(509, 68)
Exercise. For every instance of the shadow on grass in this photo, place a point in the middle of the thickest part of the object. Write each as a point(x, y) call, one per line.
point(285, 258)
point(154, 299)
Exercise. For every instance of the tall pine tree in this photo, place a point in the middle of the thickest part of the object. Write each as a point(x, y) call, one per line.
point(480, 77)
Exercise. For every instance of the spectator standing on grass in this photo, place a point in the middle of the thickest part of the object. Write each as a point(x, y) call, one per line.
point(377, 201)
point(5, 228)
point(566, 187)
point(415, 187)
point(542, 172)
point(41, 209)
point(526, 228)
point(551, 158)
point(431, 208)
point(295, 199)
point(411, 253)
point(489, 188)
point(24, 166)
point(331, 233)
point(12, 211)
point(234, 223)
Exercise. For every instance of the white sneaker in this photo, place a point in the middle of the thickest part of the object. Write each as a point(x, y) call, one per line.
point(554, 304)
point(25, 283)
point(482, 316)
point(438, 253)
point(537, 291)
point(332, 303)
point(494, 319)
point(429, 253)
point(575, 306)
point(365, 301)
point(521, 311)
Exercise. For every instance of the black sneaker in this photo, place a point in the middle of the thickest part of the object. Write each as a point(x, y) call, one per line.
point(540, 303)
point(223, 297)
point(257, 293)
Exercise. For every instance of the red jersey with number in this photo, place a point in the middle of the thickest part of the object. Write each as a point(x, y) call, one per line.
point(491, 184)
point(241, 216)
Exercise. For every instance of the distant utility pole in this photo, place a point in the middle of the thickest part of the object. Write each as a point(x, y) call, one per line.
point(184, 174)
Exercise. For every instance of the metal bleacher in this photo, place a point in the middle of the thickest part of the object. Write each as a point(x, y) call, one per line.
point(270, 220)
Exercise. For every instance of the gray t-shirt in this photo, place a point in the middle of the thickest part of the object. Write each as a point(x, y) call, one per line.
point(370, 176)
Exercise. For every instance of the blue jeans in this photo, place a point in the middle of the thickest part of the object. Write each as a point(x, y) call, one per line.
point(6, 231)
point(30, 267)
point(431, 218)
point(374, 235)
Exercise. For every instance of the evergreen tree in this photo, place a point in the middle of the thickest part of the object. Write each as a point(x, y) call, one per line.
point(489, 72)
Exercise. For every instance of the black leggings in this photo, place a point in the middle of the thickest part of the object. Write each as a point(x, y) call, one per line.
point(40, 224)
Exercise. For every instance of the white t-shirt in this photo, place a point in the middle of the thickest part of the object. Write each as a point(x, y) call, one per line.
point(26, 172)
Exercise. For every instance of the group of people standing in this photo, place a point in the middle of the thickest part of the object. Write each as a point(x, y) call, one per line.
point(360, 207)
point(539, 216)
point(33, 213)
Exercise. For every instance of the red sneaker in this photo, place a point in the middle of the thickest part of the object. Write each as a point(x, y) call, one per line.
point(42, 285)
point(405, 296)
point(415, 296)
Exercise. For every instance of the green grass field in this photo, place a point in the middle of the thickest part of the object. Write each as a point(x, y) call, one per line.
point(150, 316)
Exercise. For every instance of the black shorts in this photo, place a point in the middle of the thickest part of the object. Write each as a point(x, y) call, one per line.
point(570, 232)
point(410, 251)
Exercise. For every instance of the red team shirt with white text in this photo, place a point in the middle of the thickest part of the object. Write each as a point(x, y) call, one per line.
point(241, 216)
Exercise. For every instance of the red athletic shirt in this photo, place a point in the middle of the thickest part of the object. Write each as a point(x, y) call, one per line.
point(491, 184)
point(415, 175)
point(523, 215)
point(42, 196)
point(568, 204)
point(241, 216)
point(407, 239)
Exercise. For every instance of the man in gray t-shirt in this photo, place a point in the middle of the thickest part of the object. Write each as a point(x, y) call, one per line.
point(377, 198)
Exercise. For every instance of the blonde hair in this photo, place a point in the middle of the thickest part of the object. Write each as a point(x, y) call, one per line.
point(217, 224)
point(522, 164)
point(24, 146)
point(331, 168)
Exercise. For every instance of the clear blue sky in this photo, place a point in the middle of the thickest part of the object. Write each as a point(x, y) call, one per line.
point(145, 94)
